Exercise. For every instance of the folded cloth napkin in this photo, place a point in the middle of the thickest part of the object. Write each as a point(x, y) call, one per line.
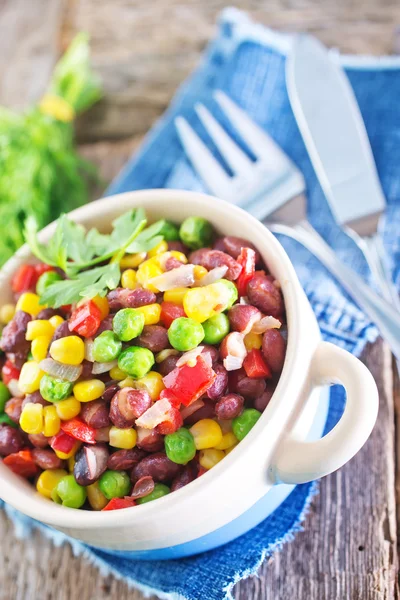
point(247, 61)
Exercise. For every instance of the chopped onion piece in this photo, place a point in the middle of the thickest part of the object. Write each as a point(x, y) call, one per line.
point(244, 300)
point(207, 358)
point(59, 370)
point(233, 363)
point(156, 414)
point(189, 410)
point(89, 349)
point(190, 357)
point(213, 276)
point(266, 323)
point(14, 389)
point(181, 277)
point(235, 351)
point(103, 367)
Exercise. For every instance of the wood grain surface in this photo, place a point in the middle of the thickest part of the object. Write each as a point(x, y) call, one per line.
point(143, 51)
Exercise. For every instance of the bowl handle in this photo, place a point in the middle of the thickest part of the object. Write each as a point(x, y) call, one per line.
point(300, 461)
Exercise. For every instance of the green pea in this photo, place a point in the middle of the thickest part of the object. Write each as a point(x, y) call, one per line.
point(159, 490)
point(230, 290)
point(54, 389)
point(114, 484)
point(128, 323)
point(215, 329)
point(196, 232)
point(170, 231)
point(180, 446)
point(46, 279)
point(69, 493)
point(242, 424)
point(4, 396)
point(185, 334)
point(106, 347)
point(6, 419)
point(136, 361)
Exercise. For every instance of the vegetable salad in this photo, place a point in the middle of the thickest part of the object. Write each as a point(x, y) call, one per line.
point(133, 362)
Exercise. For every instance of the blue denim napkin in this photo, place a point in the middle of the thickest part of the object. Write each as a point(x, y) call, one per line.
point(247, 61)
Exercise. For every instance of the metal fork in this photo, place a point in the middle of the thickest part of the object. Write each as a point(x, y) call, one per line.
point(271, 186)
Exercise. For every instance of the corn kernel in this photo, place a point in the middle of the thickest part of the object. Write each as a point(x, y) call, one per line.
point(37, 328)
point(69, 350)
point(151, 313)
point(71, 464)
point(40, 347)
point(31, 419)
point(200, 303)
point(127, 382)
point(56, 321)
point(165, 354)
point(7, 312)
point(252, 340)
point(70, 454)
point(86, 391)
point(132, 261)
point(199, 272)
point(228, 440)
point(176, 295)
point(207, 434)
point(229, 450)
point(102, 304)
point(210, 457)
point(68, 408)
point(128, 279)
point(179, 256)
point(29, 303)
point(29, 379)
point(147, 271)
point(118, 374)
point(48, 480)
point(159, 249)
point(97, 499)
point(51, 421)
point(152, 382)
point(123, 438)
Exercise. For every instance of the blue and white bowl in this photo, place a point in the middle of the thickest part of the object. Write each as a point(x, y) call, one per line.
point(245, 487)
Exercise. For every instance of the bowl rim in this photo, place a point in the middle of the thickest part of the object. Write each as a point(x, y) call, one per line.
point(65, 517)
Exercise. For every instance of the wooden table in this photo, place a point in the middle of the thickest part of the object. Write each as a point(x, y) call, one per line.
point(143, 50)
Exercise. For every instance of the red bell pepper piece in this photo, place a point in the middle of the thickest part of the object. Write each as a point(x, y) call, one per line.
point(86, 319)
point(201, 472)
point(43, 268)
point(9, 372)
point(247, 259)
point(62, 442)
point(170, 312)
point(22, 463)
point(255, 365)
point(79, 430)
point(118, 503)
point(189, 383)
point(24, 279)
point(170, 396)
point(172, 423)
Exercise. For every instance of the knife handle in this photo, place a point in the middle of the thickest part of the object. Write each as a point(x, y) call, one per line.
point(379, 310)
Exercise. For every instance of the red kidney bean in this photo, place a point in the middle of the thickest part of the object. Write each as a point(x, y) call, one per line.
point(157, 466)
point(220, 383)
point(11, 440)
point(149, 440)
point(262, 401)
point(47, 313)
point(172, 263)
point(274, 349)
point(243, 316)
point(111, 389)
point(102, 434)
point(220, 245)
point(233, 246)
point(205, 412)
point(143, 487)
point(62, 331)
point(87, 368)
point(13, 409)
point(229, 407)
point(124, 460)
point(188, 474)
point(90, 463)
point(265, 295)
point(178, 246)
point(124, 298)
point(251, 388)
point(215, 258)
point(168, 365)
point(212, 351)
point(35, 398)
point(154, 338)
point(105, 325)
point(46, 459)
point(96, 414)
point(234, 377)
point(38, 440)
point(128, 405)
point(13, 335)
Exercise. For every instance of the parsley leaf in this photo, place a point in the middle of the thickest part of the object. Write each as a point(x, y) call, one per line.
point(146, 240)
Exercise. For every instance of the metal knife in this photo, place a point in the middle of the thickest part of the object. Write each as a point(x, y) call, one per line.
point(334, 133)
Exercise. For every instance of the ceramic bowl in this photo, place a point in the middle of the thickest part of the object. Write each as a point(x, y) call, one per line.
point(242, 489)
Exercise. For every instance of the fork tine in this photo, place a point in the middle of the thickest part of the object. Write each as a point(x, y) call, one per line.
point(203, 161)
point(258, 141)
point(234, 156)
